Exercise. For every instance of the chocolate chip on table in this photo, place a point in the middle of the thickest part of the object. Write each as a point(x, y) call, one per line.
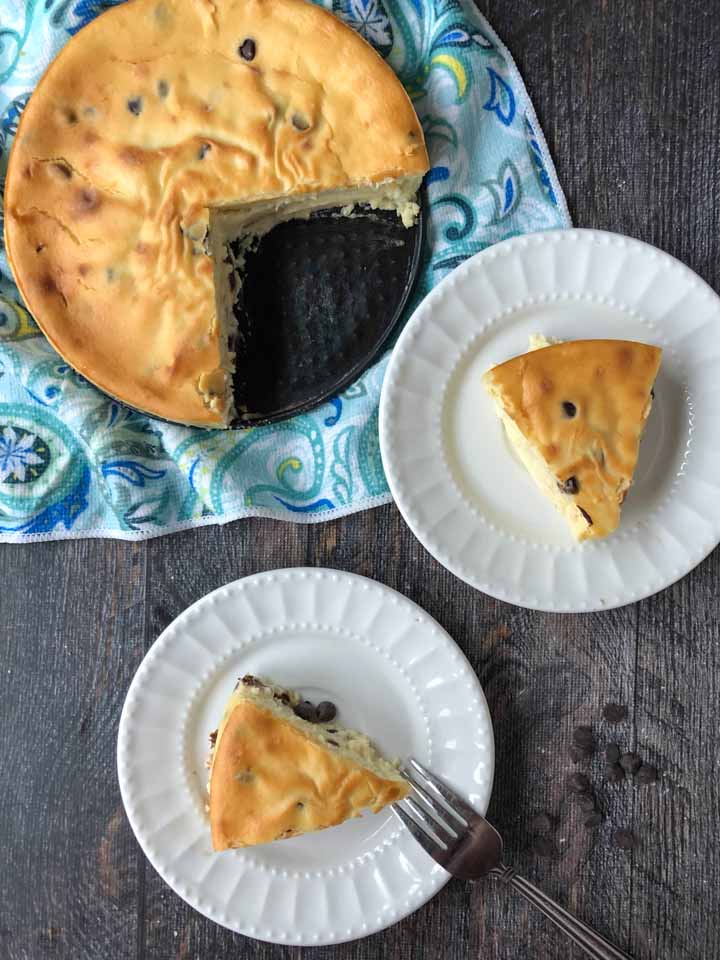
point(614, 772)
point(570, 486)
point(135, 105)
point(580, 753)
point(612, 753)
point(579, 783)
point(569, 409)
point(587, 516)
point(615, 712)
point(586, 803)
point(583, 736)
point(624, 839)
point(326, 711)
point(541, 823)
point(247, 49)
point(544, 846)
point(306, 710)
point(630, 762)
point(593, 821)
point(646, 774)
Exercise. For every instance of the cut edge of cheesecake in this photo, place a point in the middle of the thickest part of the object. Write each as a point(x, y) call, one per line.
point(258, 795)
point(531, 455)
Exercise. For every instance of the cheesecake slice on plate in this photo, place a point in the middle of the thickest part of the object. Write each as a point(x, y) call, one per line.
point(281, 767)
point(574, 413)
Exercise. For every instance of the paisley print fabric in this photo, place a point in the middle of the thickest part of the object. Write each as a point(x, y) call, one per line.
point(75, 463)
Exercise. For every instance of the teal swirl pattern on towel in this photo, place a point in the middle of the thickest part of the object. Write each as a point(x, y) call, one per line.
point(75, 463)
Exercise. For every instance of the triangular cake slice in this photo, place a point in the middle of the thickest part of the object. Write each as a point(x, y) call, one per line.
point(574, 413)
point(275, 774)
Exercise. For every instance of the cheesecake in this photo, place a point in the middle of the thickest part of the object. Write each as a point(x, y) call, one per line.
point(574, 413)
point(281, 766)
point(164, 131)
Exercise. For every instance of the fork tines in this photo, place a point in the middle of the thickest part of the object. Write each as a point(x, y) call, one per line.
point(440, 819)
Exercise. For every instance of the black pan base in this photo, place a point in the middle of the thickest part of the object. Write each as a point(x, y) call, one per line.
point(319, 300)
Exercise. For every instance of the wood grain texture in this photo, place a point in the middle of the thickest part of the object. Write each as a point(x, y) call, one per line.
point(629, 99)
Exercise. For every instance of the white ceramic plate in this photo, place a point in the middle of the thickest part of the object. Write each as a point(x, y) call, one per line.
point(392, 671)
point(451, 471)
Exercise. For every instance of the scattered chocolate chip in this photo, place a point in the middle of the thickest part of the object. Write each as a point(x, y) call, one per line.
point(205, 148)
point(333, 743)
point(615, 712)
point(583, 736)
point(612, 753)
point(586, 803)
point(213, 737)
point(326, 711)
point(624, 839)
point(247, 49)
point(593, 821)
point(544, 846)
point(300, 122)
point(587, 516)
point(580, 753)
point(306, 711)
point(646, 774)
point(578, 783)
point(135, 105)
point(163, 88)
point(570, 486)
point(630, 762)
point(541, 823)
point(614, 772)
point(569, 409)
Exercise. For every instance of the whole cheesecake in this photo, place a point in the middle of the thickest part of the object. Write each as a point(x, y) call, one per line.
point(162, 131)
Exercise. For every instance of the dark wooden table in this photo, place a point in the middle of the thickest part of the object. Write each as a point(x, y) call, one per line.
point(628, 92)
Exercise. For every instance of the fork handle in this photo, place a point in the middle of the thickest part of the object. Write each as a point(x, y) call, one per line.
point(585, 937)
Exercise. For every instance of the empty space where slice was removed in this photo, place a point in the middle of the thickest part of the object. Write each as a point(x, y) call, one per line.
point(124, 166)
point(315, 301)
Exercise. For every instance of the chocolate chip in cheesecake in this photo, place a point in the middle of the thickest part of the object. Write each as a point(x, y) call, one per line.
point(135, 105)
point(247, 49)
point(250, 681)
point(300, 122)
point(333, 743)
point(571, 486)
point(569, 409)
point(163, 88)
point(630, 762)
point(615, 712)
point(62, 168)
point(587, 516)
point(213, 737)
point(205, 148)
point(71, 116)
point(326, 711)
point(306, 710)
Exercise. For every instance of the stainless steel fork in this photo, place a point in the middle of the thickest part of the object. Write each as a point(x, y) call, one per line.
point(467, 846)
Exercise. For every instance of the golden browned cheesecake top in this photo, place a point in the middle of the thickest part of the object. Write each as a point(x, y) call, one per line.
point(582, 405)
point(155, 112)
point(270, 780)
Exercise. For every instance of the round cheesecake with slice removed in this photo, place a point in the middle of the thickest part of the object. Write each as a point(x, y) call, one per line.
point(278, 770)
point(162, 131)
point(574, 413)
